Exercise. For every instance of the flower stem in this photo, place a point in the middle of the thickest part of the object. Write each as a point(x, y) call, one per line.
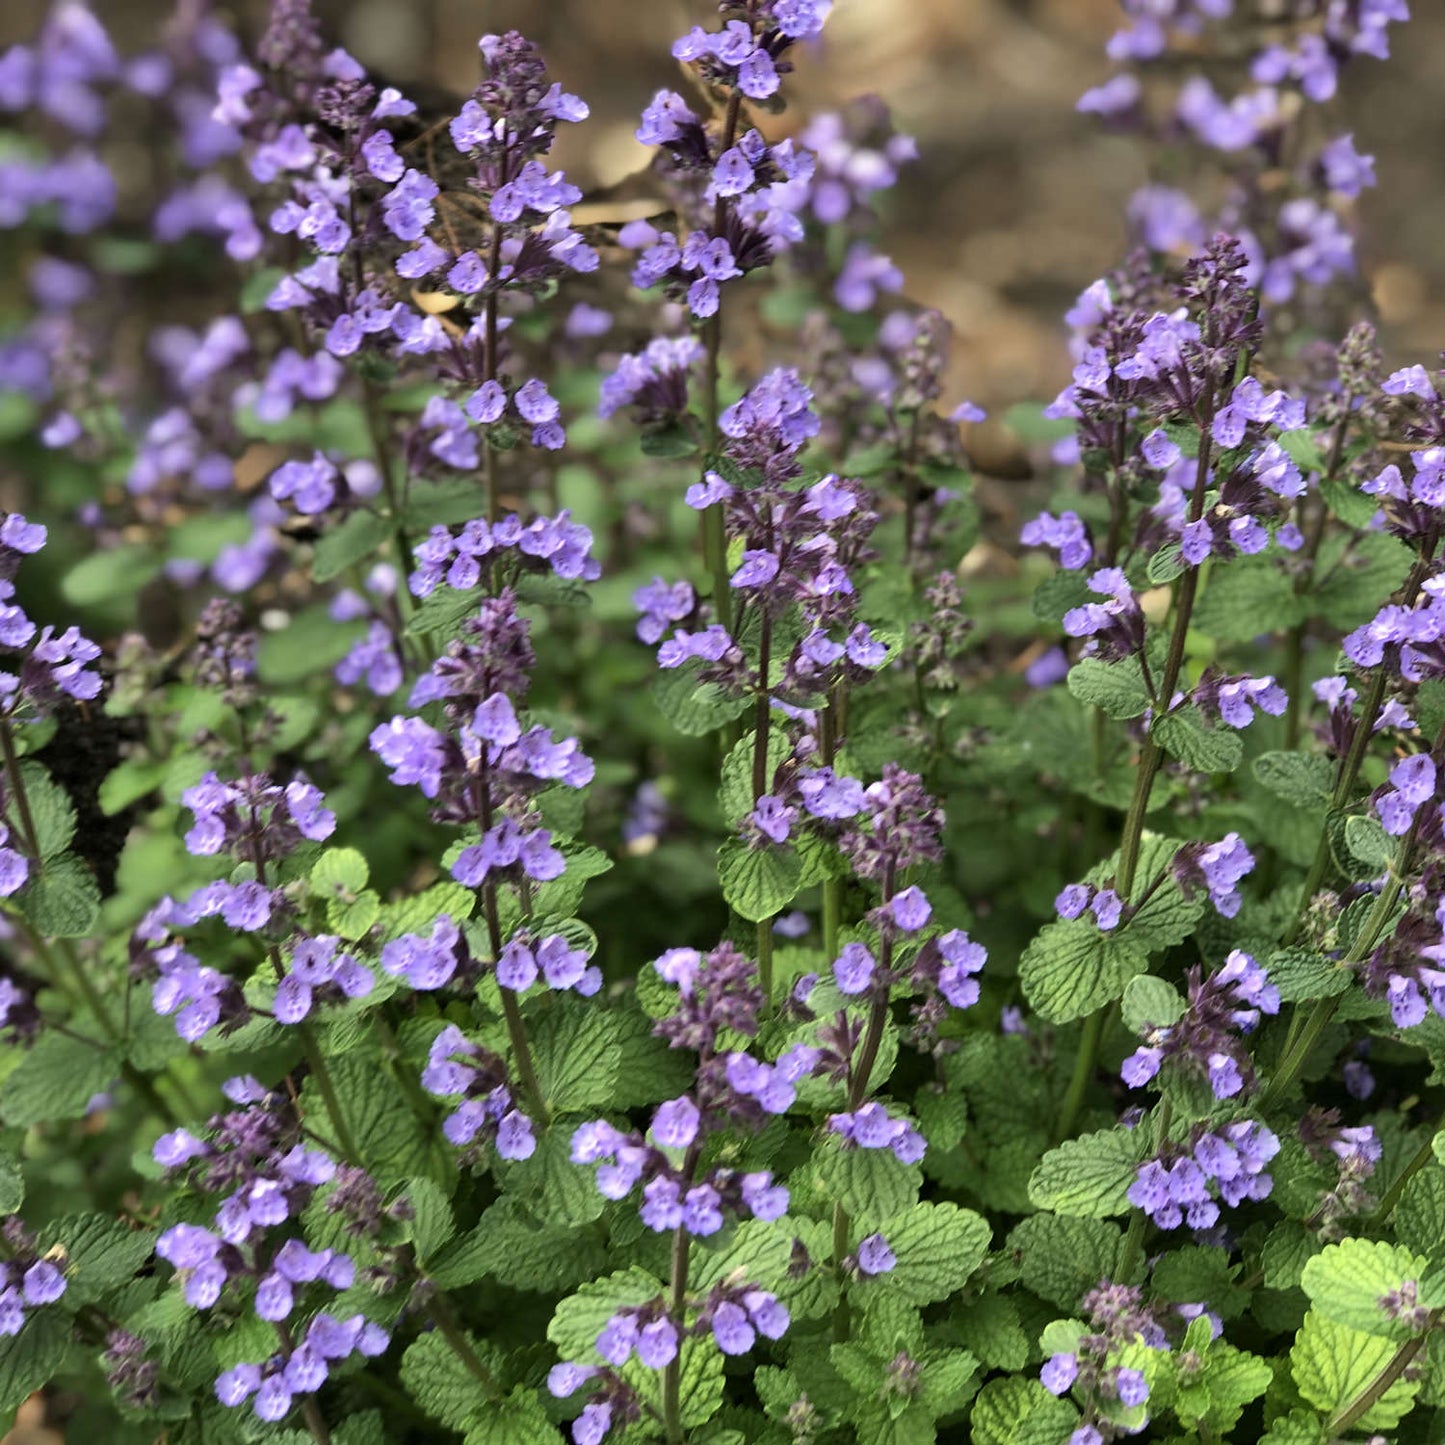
point(1084, 1062)
point(1345, 1420)
point(676, 1308)
point(440, 1309)
point(316, 1062)
point(1391, 1197)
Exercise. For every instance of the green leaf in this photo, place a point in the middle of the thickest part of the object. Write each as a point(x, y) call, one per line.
point(431, 1225)
point(1419, 1217)
point(1057, 594)
point(555, 1189)
point(1232, 1379)
point(1059, 1259)
point(1194, 1272)
point(577, 1055)
point(735, 794)
point(1369, 844)
point(1333, 1365)
point(129, 783)
point(56, 1080)
point(871, 1184)
point(517, 1420)
point(1151, 1003)
point(579, 1318)
point(1301, 973)
point(437, 1379)
point(1018, 1411)
point(356, 539)
point(1249, 596)
point(1288, 1249)
point(32, 1358)
point(1299, 1427)
point(379, 1121)
point(1115, 688)
point(12, 1183)
point(1303, 780)
point(1072, 968)
point(339, 872)
point(310, 642)
point(758, 883)
point(100, 1253)
point(108, 577)
point(668, 442)
point(1183, 734)
point(1347, 1281)
point(62, 901)
point(695, 709)
point(1087, 1177)
point(1166, 565)
point(513, 1247)
point(51, 811)
point(990, 1327)
point(937, 1247)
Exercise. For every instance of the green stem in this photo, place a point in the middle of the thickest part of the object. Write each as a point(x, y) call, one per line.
point(316, 1062)
point(1346, 1419)
point(522, 1057)
point(439, 1308)
point(1350, 765)
point(1150, 757)
point(842, 1322)
point(1391, 1197)
point(1084, 1062)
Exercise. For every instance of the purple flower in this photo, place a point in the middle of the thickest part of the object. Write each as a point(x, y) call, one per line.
point(1059, 1373)
point(675, 1123)
point(853, 968)
point(874, 1255)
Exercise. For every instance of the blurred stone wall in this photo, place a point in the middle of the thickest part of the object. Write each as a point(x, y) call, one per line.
point(1016, 202)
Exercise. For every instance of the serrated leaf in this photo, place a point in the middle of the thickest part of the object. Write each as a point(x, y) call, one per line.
point(51, 811)
point(1288, 1249)
point(1346, 1283)
point(338, 872)
point(62, 900)
point(356, 539)
point(1087, 1177)
point(1166, 565)
point(55, 1080)
point(937, 1247)
point(992, 1330)
point(579, 1319)
point(417, 913)
point(1183, 734)
point(1018, 1411)
point(517, 1420)
point(378, 1120)
point(758, 883)
point(1369, 844)
point(1303, 780)
point(1073, 967)
point(871, 1184)
point(12, 1183)
point(577, 1055)
point(1058, 593)
point(440, 1382)
point(1060, 1258)
point(100, 1253)
point(1249, 596)
point(1419, 1217)
point(1333, 1365)
point(1193, 1273)
point(695, 708)
point(735, 789)
point(1299, 1427)
point(32, 1358)
point(513, 1247)
point(555, 1189)
point(431, 1224)
point(1116, 688)
point(1300, 973)
point(1151, 1003)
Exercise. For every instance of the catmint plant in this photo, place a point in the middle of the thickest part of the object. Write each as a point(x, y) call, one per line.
point(550, 889)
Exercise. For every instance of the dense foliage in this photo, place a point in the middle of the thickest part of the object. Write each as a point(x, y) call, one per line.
point(565, 903)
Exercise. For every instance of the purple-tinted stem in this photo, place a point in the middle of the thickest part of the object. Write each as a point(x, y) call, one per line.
point(1293, 680)
point(714, 540)
point(1359, 744)
point(516, 1025)
point(310, 1409)
point(677, 1304)
point(762, 725)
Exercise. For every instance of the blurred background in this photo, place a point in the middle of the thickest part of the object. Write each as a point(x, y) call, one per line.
point(1016, 202)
